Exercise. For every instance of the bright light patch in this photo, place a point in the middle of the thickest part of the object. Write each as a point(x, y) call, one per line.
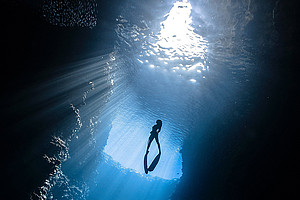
point(127, 144)
point(177, 39)
point(140, 61)
point(177, 43)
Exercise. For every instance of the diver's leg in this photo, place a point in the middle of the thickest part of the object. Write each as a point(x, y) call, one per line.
point(149, 142)
point(157, 141)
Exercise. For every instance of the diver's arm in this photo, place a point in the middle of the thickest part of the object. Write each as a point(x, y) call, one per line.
point(158, 130)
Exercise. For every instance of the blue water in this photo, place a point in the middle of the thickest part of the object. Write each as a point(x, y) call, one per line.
point(186, 63)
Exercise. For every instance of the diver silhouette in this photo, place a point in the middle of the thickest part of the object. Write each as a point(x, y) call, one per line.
point(153, 135)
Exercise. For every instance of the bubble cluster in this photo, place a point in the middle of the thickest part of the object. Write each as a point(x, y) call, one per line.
point(70, 13)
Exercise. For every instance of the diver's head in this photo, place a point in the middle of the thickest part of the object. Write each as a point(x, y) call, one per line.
point(159, 122)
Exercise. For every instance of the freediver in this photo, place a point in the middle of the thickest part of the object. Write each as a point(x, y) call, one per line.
point(154, 134)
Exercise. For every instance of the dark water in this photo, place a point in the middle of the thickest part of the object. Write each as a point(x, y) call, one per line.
point(84, 81)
